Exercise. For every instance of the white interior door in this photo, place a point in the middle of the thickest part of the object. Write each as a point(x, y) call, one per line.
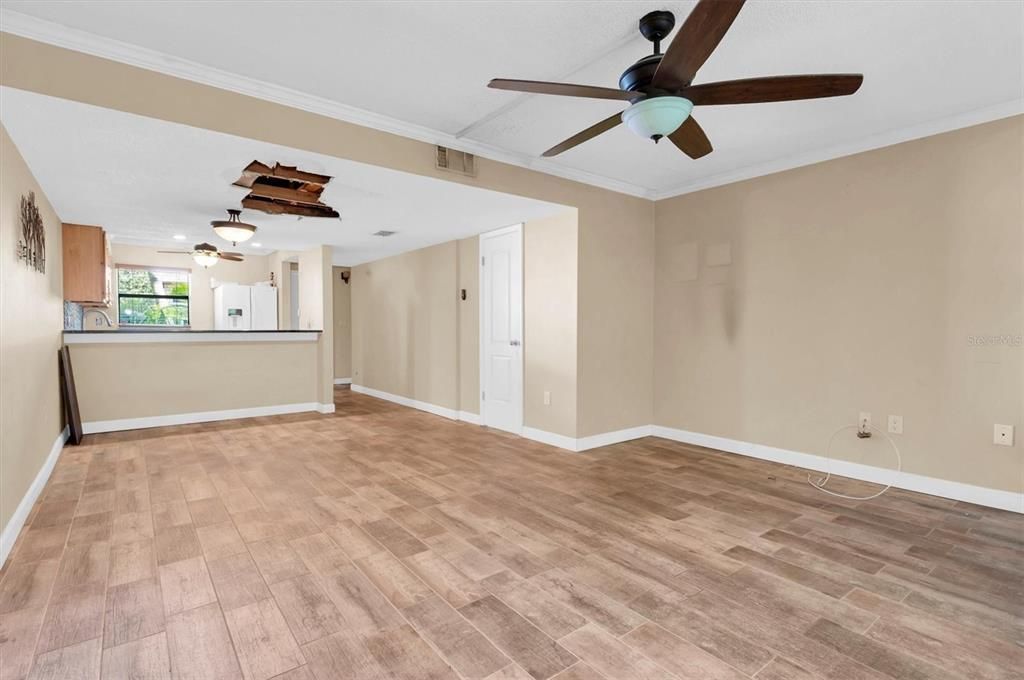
point(501, 328)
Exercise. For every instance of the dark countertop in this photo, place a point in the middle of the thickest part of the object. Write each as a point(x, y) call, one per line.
point(173, 330)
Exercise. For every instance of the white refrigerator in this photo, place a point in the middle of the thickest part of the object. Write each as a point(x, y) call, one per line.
point(238, 307)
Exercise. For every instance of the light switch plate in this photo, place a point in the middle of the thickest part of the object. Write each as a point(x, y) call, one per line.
point(1003, 435)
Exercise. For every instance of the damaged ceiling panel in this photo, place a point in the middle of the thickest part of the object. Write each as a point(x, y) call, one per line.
point(284, 190)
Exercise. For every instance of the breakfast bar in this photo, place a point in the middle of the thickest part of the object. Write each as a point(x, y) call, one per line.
point(131, 379)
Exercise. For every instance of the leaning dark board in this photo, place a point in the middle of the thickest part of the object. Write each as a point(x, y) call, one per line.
point(67, 383)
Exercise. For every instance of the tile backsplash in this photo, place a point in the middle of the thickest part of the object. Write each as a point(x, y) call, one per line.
point(73, 316)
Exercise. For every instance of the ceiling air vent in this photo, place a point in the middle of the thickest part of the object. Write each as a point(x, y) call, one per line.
point(456, 161)
point(384, 232)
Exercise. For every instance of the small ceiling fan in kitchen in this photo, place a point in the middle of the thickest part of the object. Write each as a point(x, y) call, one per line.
point(660, 89)
point(206, 255)
point(232, 229)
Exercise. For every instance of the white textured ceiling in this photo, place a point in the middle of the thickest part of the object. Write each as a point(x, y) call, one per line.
point(929, 66)
point(145, 180)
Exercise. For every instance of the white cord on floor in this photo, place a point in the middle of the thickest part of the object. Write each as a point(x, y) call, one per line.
point(820, 484)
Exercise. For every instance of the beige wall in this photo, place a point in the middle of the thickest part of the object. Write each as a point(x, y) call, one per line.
point(616, 318)
point(469, 324)
point(311, 290)
point(280, 263)
point(855, 285)
point(404, 325)
point(413, 336)
point(255, 268)
point(316, 312)
point(31, 318)
point(137, 380)
point(342, 324)
point(550, 313)
point(605, 218)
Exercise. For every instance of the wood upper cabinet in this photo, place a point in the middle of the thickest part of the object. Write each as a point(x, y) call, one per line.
point(86, 264)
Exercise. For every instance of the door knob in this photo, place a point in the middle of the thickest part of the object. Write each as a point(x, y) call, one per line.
point(514, 343)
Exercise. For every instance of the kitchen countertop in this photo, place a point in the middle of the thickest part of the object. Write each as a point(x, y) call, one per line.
point(161, 335)
point(175, 330)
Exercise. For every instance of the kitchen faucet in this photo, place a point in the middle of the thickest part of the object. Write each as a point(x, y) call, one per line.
point(101, 313)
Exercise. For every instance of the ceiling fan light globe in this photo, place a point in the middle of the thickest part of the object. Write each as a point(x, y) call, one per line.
point(205, 259)
point(657, 117)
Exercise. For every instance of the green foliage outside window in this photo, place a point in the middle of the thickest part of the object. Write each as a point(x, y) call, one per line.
point(152, 297)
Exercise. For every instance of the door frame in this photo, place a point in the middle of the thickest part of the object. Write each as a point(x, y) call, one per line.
point(511, 229)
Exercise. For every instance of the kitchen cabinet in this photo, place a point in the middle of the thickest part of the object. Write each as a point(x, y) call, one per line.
point(87, 266)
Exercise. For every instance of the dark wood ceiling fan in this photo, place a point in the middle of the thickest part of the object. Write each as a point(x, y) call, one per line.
point(660, 89)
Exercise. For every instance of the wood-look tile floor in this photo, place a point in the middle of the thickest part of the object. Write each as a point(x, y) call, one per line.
point(383, 542)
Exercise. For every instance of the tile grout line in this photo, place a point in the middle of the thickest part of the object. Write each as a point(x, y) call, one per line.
point(766, 664)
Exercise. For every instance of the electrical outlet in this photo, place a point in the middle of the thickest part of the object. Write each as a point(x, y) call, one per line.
point(547, 398)
point(895, 424)
point(864, 425)
point(1003, 435)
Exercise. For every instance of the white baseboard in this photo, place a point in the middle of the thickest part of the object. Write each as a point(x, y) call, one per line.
point(97, 426)
point(559, 440)
point(608, 438)
point(343, 381)
point(17, 521)
point(470, 417)
point(442, 411)
point(993, 498)
point(550, 438)
point(586, 443)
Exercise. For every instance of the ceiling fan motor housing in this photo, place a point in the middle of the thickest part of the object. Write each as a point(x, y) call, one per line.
point(655, 26)
point(638, 76)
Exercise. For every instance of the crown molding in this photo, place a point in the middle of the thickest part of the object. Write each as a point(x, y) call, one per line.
point(52, 33)
point(933, 127)
point(58, 35)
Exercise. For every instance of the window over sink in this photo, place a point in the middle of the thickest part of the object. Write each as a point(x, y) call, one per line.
point(152, 296)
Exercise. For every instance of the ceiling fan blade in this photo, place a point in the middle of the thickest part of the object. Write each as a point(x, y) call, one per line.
point(691, 140)
point(774, 89)
point(563, 89)
point(694, 42)
point(580, 137)
point(230, 258)
point(231, 253)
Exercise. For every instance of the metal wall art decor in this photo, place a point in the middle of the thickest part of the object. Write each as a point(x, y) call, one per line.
point(32, 244)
